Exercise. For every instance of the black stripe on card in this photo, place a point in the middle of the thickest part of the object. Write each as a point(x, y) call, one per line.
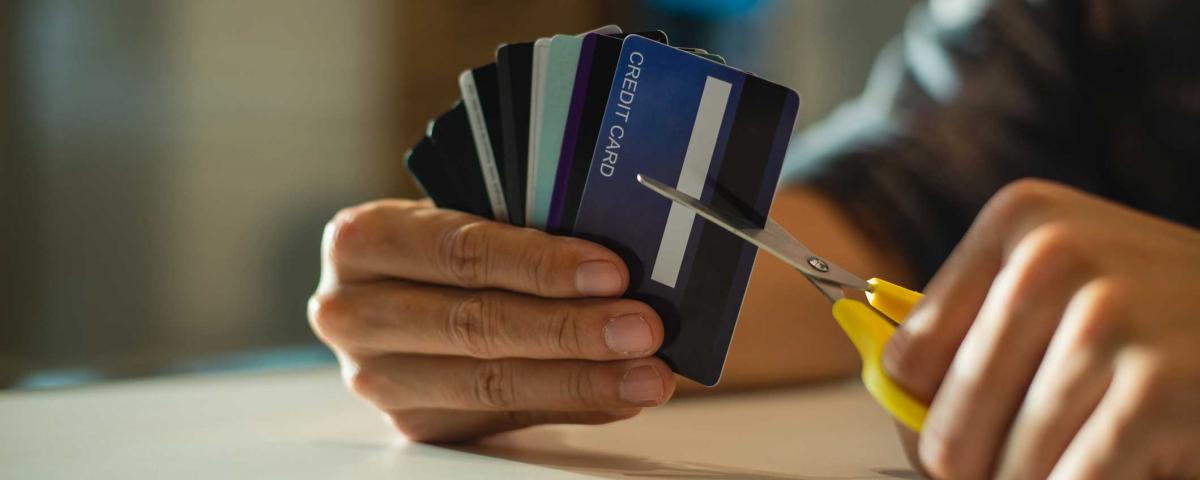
point(715, 272)
point(514, 63)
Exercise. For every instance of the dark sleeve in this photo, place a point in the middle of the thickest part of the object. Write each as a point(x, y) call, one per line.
point(966, 100)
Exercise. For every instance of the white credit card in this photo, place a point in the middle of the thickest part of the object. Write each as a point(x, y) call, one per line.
point(541, 55)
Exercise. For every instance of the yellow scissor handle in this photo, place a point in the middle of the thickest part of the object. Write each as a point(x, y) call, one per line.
point(870, 333)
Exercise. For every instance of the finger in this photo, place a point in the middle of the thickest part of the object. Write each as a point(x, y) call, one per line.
point(1109, 444)
point(401, 317)
point(988, 377)
point(1069, 384)
point(402, 382)
point(441, 425)
point(920, 352)
point(403, 239)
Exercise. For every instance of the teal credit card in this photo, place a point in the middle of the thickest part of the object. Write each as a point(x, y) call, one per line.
point(556, 101)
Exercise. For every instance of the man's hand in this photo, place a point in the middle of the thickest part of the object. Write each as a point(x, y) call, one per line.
point(1062, 338)
point(458, 327)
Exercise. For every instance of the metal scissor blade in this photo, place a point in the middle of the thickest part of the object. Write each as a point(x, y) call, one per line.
point(773, 238)
point(829, 290)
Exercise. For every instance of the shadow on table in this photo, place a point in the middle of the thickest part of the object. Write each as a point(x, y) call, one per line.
point(616, 465)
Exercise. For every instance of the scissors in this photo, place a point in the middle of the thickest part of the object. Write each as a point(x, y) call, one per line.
point(868, 328)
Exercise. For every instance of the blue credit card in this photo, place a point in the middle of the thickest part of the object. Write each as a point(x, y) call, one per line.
point(713, 132)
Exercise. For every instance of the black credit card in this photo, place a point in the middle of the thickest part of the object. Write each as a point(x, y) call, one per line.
point(514, 69)
point(428, 169)
point(452, 137)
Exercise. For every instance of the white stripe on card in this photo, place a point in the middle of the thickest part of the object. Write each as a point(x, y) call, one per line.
point(696, 161)
point(483, 146)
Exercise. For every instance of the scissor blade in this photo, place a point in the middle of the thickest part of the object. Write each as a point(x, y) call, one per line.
point(830, 290)
point(773, 238)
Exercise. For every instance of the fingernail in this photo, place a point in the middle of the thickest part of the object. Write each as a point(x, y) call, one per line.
point(598, 278)
point(642, 385)
point(628, 334)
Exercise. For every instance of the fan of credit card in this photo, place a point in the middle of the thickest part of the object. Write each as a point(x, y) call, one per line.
point(553, 134)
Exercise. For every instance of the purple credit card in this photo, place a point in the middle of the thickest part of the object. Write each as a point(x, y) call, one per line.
point(598, 59)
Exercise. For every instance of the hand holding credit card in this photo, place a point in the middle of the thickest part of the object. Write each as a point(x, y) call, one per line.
point(554, 139)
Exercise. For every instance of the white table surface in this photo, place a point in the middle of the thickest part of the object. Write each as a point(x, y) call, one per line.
point(303, 424)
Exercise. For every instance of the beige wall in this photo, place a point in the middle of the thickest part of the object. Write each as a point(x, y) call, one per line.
point(183, 156)
point(278, 116)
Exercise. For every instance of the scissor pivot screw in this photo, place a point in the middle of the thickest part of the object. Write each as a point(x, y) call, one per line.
point(818, 264)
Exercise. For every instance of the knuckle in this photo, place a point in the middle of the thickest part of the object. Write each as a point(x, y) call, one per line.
point(331, 316)
point(906, 353)
point(579, 389)
point(345, 232)
point(463, 253)
point(563, 339)
point(541, 269)
point(364, 382)
point(1049, 254)
point(1019, 198)
point(1099, 308)
point(912, 358)
point(493, 385)
point(406, 425)
point(415, 426)
point(473, 326)
point(943, 458)
point(1056, 241)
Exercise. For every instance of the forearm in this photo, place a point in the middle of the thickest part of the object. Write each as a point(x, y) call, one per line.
point(785, 334)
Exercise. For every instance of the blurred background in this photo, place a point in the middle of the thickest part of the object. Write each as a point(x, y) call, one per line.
point(166, 167)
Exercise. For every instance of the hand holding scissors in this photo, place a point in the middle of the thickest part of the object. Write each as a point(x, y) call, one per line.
point(1058, 339)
